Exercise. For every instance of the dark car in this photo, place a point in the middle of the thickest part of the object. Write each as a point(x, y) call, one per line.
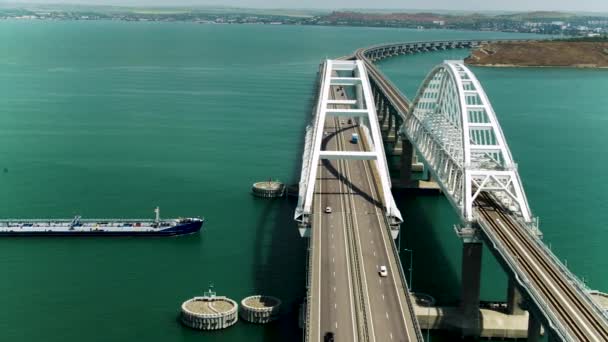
point(329, 337)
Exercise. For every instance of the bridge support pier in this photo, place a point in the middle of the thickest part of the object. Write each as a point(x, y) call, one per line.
point(405, 169)
point(514, 299)
point(533, 329)
point(471, 279)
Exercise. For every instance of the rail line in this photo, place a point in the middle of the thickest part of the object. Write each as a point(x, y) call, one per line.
point(570, 310)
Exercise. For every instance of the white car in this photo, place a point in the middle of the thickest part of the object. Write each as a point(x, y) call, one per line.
point(383, 272)
point(328, 210)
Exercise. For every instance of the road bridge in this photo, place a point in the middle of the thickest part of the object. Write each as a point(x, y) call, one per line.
point(347, 296)
point(452, 126)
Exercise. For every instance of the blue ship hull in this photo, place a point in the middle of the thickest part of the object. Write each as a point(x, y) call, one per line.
point(179, 229)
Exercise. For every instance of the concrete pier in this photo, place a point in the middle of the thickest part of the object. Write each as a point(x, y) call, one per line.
point(494, 324)
point(514, 299)
point(268, 189)
point(533, 329)
point(209, 312)
point(260, 309)
point(471, 279)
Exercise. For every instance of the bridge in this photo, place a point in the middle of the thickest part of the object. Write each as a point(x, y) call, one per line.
point(451, 126)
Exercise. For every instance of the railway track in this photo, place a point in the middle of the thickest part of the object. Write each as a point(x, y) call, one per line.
point(581, 321)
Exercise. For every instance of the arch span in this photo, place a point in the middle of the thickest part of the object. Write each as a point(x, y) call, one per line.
point(454, 128)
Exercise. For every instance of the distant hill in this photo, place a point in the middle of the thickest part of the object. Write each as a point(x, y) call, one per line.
point(580, 54)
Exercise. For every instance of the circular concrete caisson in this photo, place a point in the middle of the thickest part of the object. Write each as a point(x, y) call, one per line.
point(260, 309)
point(209, 313)
point(268, 189)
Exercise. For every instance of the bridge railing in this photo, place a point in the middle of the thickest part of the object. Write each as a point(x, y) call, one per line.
point(395, 252)
point(390, 83)
point(543, 306)
point(410, 305)
point(397, 44)
point(357, 272)
point(580, 286)
point(309, 260)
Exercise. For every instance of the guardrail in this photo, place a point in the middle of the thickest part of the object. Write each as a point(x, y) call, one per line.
point(523, 279)
point(410, 305)
point(355, 261)
point(315, 110)
point(308, 292)
point(358, 272)
point(580, 286)
point(402, 277)
point(389, 83)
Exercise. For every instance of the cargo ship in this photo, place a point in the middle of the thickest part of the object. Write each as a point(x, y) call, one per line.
point(101, 227)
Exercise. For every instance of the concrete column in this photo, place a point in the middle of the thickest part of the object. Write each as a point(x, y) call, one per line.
point(471, 279)
point(396, 127)
point(383, 119)
point(533, 329)
point(514, 299)
point(405, 169)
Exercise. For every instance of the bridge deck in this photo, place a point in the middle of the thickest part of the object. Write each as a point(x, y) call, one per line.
point(548, 284)
point(348, 246)
point(542, 275)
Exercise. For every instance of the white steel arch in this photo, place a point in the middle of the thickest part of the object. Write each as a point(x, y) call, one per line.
point(454, 128)
point(365, 110)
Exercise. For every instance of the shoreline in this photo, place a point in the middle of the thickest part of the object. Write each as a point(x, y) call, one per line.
point(541, 54)
point(537, 66)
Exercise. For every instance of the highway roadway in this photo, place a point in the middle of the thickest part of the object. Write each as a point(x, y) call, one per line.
point(350, 299)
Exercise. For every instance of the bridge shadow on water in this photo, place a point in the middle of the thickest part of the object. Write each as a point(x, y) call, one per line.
point(279, 264)
point(280, 255)
point(428, 231)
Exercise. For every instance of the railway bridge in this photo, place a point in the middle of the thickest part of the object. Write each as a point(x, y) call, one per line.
point(346, 209)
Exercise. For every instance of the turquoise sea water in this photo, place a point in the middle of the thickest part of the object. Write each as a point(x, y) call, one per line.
point(112, 119)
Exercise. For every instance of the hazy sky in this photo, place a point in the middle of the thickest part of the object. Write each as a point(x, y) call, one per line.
point(468, 5)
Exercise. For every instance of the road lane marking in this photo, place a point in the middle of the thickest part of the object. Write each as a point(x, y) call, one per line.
point(333, 259)
point(391, 335)
point(347, 251)
point(374, 253)
point(382, 295)
point(358, 244)
point(403, 310)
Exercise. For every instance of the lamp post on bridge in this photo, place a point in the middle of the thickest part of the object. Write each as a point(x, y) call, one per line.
point(411, 268)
